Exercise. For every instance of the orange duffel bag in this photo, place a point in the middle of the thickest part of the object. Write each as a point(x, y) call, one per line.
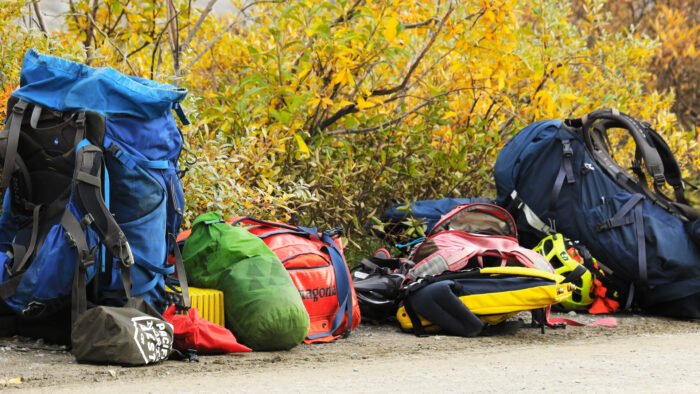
point(316, 263)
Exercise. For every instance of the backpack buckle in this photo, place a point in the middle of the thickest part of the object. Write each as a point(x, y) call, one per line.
point(69, 239)
point(87, 220)
point(18, 109)
point(659, 180)
point(566, 149)
point(604, 225)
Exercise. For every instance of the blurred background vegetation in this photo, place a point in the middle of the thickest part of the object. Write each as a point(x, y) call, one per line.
point(326, 112)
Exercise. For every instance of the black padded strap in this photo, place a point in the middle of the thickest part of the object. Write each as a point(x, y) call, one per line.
point(615, 119)
point(14, 128)
point(29, 251)
point(88, 193)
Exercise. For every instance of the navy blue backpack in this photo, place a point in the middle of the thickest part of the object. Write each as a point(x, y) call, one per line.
point(92, 190)
point(560, 176)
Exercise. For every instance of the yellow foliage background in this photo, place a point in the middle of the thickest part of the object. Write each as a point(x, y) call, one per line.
point(326, 112)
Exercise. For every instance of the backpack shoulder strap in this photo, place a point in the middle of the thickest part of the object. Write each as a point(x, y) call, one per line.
point(612, 118)
point(14, 126)
point(88, 193)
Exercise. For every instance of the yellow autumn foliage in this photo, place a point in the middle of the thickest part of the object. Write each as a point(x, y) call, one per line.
point(326, 112)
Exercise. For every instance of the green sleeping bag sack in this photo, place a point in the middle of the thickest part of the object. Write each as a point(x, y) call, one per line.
point(263, 307)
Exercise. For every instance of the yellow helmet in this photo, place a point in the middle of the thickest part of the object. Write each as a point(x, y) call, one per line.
point(564, 256)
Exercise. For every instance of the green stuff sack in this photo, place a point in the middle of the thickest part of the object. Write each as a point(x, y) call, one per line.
point(263, 307)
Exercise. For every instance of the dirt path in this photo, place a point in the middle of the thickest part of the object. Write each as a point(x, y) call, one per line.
point(643, 354)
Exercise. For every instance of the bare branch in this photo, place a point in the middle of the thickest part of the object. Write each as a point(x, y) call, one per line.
point(109, 39)
point(90, 31)
point(348, 109)
point(421, 24)
point(417, 60)
point(39, 17)
point(224, 31)
point(383, 125)
point(349, 14)
point(174, 35)
point(119, 18)
point(193, 31)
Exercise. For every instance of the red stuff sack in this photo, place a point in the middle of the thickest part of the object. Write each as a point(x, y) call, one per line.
point(317, 267)
point(193, 332)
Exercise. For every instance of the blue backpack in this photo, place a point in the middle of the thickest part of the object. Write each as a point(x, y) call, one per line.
point(560, 176)
point(93, 197)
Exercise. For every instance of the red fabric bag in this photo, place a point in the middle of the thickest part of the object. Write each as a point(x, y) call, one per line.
point(193, 332)
point(316, 264)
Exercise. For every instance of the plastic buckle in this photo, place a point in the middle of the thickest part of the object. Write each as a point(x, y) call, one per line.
point(18, 109)
point(659, 180)
point(87, 220)
point(34, 308)
point(604, 225)
point(69, 239)
point(566, 149)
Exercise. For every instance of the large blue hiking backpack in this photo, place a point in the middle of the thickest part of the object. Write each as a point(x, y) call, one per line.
point(560, 176)
point(92, 188)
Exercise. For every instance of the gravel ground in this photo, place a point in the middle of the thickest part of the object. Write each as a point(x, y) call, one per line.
point(644, 354)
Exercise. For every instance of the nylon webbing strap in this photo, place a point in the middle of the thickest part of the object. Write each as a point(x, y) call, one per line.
point(8, 288)
point(181, 273)
point(79, 128)
point(126, 280)
point(566, 172)
point(343, 291)
point(75, 235)
point(621, 218)
point(530, 216)
point(641, 245)
point(36, 115)
point(418, 328)
point(15, 125)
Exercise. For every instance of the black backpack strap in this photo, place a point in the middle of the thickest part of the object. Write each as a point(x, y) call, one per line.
point(418, 328)
point(14, 126)
point(87, 182)
point(659, 163)
point(181, 273)
point(614, 119)
point(565, 172)
point(75, 236)
point(674, 176)
point(22, 255)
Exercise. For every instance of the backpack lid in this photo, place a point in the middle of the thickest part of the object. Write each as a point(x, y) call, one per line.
point(478, 218)
point(63, 85)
